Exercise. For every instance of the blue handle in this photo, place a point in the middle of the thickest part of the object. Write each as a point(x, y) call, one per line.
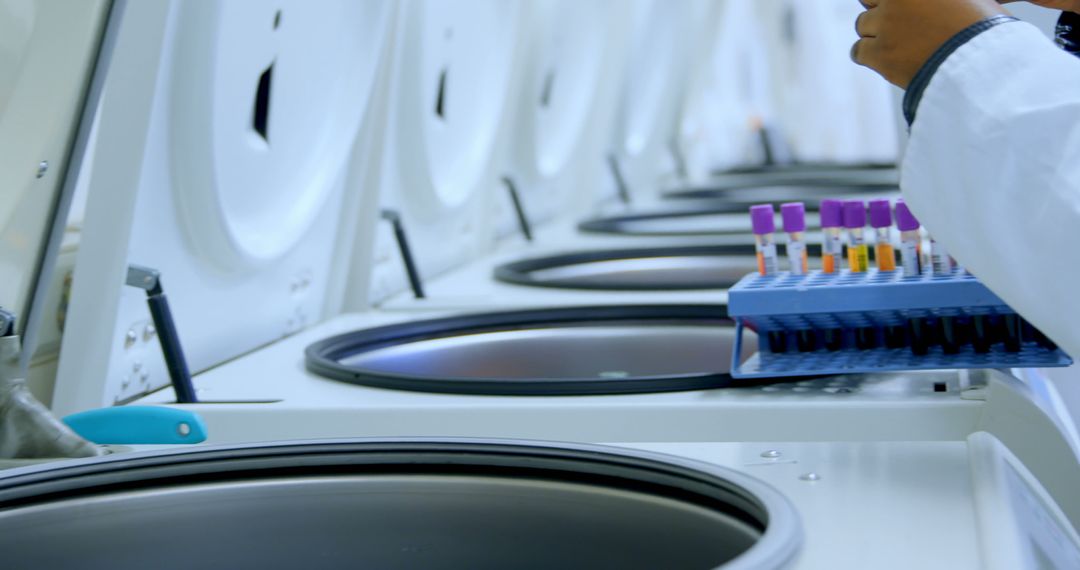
point(138, 425)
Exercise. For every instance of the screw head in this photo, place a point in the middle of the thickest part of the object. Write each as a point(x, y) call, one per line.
point(810, 477)
point(42, 168)
point(130, 337)
point(184, 429)
point(771, 454)
point(149, 331)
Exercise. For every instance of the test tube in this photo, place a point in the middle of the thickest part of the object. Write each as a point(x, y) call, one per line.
point(910, 241)
point(859, 260)
point(832, 222)
point(942, 264)
point(855, 222)
point(763, 221)
point(794, 217)
point(940, 260)
point(881, 221)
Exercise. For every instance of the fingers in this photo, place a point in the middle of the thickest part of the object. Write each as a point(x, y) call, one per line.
point(868, 24)
point(869, 3)
point(864, 52)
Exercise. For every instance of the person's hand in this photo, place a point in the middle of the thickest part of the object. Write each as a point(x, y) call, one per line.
point(1063, 5)
point(896, 37)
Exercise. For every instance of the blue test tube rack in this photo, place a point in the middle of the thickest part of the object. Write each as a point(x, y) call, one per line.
point(872, 302)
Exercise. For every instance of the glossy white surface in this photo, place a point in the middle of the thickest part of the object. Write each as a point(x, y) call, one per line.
point(167, 192)
point(47, 51)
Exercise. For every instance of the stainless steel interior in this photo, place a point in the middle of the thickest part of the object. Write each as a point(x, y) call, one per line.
point(564, 352)
point(682, 272)
point(527, 507)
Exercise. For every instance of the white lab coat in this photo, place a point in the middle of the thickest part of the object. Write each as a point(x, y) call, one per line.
point(993, 170)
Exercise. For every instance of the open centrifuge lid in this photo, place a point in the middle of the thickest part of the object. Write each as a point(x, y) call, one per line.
point(231, 137)
point(370, 502)
point(662, 39)
point(682, 268)
point(547, 352)
point(53, 60)
point(451, 83)
point(567, 53)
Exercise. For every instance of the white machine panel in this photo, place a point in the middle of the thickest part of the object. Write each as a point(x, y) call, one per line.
point(245, 155)
point(665, 44)
point(455, 64)
point(573, 51)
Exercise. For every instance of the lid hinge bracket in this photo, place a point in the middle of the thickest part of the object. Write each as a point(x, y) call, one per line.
point(149, 280)
point(405, 251)
point(620, 180)
point(519, 208)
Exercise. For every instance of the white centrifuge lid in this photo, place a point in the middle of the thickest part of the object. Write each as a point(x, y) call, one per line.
point(48, 55)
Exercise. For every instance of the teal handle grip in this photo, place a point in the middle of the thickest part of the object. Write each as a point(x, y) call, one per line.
point(138, 425)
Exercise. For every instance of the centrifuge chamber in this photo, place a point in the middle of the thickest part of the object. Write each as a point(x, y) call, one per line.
point(546, 352)
point(394, 504)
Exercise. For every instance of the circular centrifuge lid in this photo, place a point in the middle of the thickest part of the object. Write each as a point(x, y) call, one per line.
point(455, 68)
point(48, 54)
point(659, 38)
point(436, 503)
point(548, 352)
point(568, 56)
point(646, 269)
point(267, 101)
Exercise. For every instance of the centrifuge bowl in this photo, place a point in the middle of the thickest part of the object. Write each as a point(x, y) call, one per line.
point(393, 504)
point(708, 221)
point(641, 269)
point(543, 352)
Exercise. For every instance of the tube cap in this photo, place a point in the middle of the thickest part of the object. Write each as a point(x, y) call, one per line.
point(854, 214)
point(832, 214)
point(794, 216)
point(905, 221)
point(880, 213)
point(763, 219)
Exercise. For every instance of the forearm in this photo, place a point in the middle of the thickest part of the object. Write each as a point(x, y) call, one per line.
point(993, 170)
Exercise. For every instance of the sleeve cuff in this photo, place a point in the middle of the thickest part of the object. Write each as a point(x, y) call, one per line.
point(922, 79)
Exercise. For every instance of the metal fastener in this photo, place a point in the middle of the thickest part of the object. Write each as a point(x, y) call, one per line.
point(149, 331)
point(810, 477)
point(42, 168)
point(184, 429)
point(130, 337)
point(771, 454)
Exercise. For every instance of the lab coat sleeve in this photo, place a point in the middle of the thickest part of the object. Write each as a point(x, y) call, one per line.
point(993, 171)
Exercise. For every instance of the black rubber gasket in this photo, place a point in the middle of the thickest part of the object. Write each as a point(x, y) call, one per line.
point(616, 224)
point(802, 191)
point(520, 272)
point(323, 357)
point(808, 167)
point(589, 465)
